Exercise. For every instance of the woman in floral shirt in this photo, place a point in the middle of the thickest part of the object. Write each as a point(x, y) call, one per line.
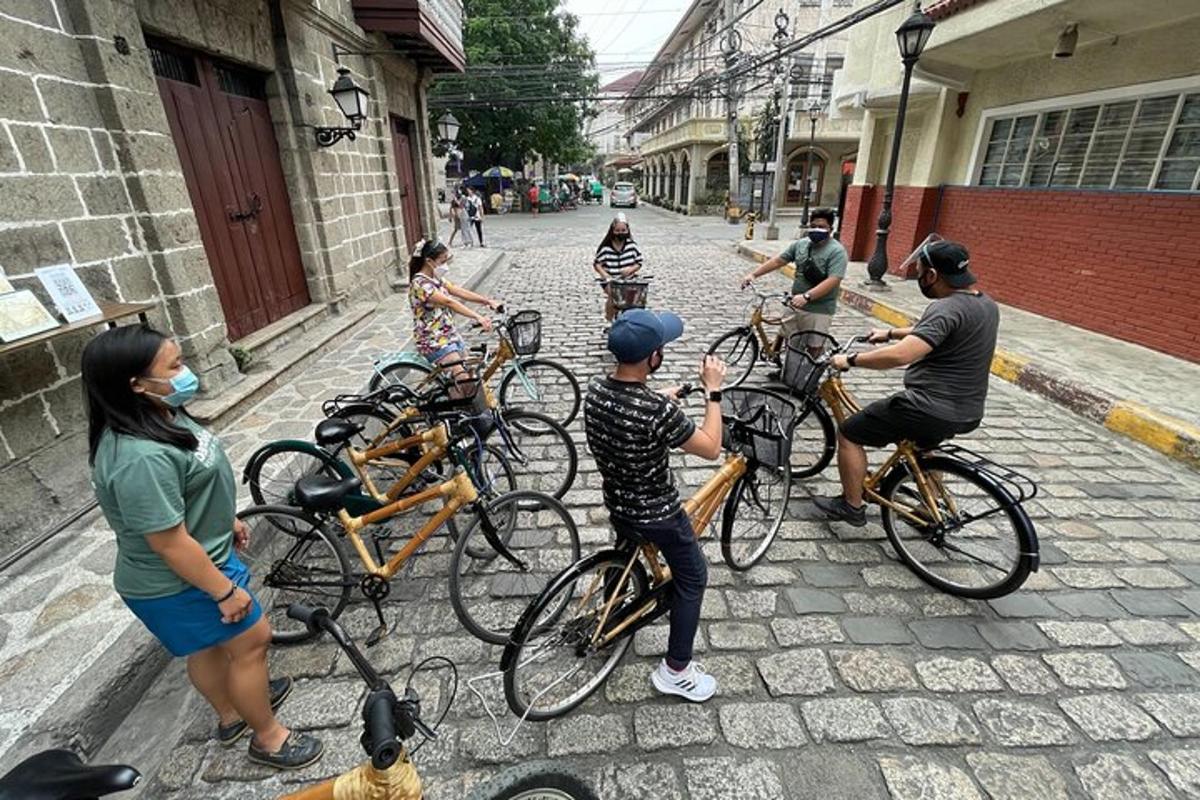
point(435, 301)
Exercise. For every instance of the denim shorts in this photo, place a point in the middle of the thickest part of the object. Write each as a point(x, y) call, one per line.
point(190, 621)
point(440, 353)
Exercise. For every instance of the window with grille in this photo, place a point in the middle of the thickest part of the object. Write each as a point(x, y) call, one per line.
point(1141, 143)
point(173, 64)
point(832, 65)
point(241, 82)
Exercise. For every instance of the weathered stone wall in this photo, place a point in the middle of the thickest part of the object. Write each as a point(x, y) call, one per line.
point(89, 175)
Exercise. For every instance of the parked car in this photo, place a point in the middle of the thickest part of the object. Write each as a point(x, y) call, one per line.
point(623, 194)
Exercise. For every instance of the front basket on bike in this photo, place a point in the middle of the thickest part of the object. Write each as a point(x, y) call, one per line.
point(628, 294)
point(525, 331)
point(805, 361)
point(758, 424)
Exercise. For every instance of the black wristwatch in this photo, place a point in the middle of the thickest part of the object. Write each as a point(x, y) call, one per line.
point(853, 357)
point(715, 396)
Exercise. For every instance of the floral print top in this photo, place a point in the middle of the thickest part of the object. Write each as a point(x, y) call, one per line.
point(433, 325)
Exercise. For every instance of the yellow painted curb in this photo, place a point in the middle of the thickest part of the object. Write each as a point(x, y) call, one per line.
point(1165, 434)
point(1008, 366)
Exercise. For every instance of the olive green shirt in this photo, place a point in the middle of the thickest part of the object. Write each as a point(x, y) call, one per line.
point(146, 487)
point(830, 258)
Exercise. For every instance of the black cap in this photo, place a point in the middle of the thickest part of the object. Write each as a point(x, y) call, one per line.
point(952, 262)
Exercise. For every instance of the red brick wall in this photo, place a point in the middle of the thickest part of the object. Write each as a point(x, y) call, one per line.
point(913, 208)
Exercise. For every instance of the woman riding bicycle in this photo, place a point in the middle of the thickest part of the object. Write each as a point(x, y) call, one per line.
point(617, 256)
point(434, 302)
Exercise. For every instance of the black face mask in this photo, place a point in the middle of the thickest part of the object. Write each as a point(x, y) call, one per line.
point(620, 238)
point(927, 288)
point(655, 365)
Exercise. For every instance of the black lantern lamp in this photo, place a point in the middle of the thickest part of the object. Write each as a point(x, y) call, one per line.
point(352, 100)
point(448, 127)
point(912, 36)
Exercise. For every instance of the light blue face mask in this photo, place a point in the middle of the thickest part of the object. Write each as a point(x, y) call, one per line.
point(184, 387)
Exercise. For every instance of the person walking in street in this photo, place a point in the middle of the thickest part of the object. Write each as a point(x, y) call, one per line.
point(534, 196)
point(950, 351)
point(464, 218)
point(434, 302)
point(457, 217)
point(169, 494)
point(617, 257)
point(474, 205)
point(631, 430)
point(821, 264)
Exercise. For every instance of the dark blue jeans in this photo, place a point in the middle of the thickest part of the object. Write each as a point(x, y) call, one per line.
point(676, 540)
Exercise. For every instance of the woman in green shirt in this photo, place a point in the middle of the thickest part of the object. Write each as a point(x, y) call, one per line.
point(168, 492)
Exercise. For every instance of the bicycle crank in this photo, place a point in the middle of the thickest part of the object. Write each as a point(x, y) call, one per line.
point(376, 589)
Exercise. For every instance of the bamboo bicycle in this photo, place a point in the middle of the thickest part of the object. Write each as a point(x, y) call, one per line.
point(556, 658)
point(749, 344)
point(953, 516)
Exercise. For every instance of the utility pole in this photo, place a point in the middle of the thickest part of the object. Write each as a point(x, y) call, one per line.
point(784, 85)
point(730, 45)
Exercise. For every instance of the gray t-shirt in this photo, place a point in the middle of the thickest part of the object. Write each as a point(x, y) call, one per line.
point(951, 383)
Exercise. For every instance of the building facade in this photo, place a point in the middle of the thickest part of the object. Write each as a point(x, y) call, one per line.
point(166, 150)
point(684, 142)
point(606, 131)
point(1072, 180)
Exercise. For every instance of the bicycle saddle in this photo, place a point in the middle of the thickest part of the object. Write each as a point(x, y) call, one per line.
point(61, 775)
point(336, 431)
point(319, 493)
point(481, 349)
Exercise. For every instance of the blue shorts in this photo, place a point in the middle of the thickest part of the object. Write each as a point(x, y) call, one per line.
point(438, 355)
point(190, 621)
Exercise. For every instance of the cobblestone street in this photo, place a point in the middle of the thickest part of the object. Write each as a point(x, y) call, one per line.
point(841, 674)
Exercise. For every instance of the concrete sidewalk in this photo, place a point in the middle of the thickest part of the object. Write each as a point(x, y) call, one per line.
point(73, 660)
point(1134, 391)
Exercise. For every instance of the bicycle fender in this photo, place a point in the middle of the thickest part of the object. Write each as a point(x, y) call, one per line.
point(295, 444)
point(402, 357)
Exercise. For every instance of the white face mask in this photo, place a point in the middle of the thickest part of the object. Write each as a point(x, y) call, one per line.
point(442, 270)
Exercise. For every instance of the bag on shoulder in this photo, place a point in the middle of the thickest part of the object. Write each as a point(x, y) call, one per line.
point(811, 272)
point(472, 208)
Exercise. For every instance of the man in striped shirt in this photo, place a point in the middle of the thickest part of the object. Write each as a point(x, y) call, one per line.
point(617, 257)
point(631, 430)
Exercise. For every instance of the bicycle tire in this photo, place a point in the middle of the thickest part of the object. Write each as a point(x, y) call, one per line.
point(528, 632)
point(1024, 537)
point(732, 550)
point(552, 473)
point(394, 372)
point(512, 389)
point(740, 354)
point(264, 491)
point(801, 463)
point(268, 573)
point(493, 621)
point(538, 780)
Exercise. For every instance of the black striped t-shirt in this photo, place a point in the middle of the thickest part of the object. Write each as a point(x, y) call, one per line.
point(613, 261)
point(631, 430)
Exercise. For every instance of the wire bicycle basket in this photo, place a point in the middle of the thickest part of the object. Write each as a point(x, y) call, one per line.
point(627, 294)
point(805, 359)
point(525, 332)
point(759, 425)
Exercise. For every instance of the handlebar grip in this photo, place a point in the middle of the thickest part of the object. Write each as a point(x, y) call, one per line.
point(687, 389)
point(381, 728)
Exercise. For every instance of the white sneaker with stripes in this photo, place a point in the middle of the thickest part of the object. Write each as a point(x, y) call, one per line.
point(692, 684)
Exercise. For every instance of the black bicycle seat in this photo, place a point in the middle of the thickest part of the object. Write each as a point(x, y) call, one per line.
point(320, 493)
point(336, 431)
point(62, 775)
point(481, 349)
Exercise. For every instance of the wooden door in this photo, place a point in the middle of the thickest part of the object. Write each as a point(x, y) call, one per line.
point(406, 177)
point(222, 131)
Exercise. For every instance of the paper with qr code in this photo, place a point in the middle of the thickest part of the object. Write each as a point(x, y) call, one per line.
point(70, 296)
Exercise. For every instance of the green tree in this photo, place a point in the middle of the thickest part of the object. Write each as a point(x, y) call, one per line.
point(529, 76)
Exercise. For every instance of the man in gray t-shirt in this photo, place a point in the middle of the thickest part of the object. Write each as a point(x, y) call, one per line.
point(950, 351)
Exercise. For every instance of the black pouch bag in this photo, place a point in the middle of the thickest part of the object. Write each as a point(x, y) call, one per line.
point(811, 272)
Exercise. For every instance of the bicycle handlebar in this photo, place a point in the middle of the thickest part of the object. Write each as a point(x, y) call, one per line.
point(380, 728)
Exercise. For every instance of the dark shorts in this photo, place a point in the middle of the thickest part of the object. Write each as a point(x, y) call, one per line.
point(896, 419)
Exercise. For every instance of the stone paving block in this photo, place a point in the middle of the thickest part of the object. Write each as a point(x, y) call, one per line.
point(943, 605)
point(1120, 777)
point(322, 704)
point(652, 641)
point(1148, 632)
point(630, 683)
point(1108, 718)
point(662, 726)
point(752, 604)
point(873, 671)
point(636, 781)
point(890, 576)
point(886, 604)
point(1149, 603)
point(831, 772)
point(1006, 777)
point(761, 726)
point(958, 675)
point(1178, 713)
point(852, 553)
point(1023, 604)
point(921, 721)
point(1086, 604)
point(770, 575)
point(735, 674)
point(910, 778)
point(790, 632)
point(784, 551)
point(586, 733)
point(828, 576)
point(947, 634)
point(477, 741)
point(724, 778)
point(876, 630)
point(714, 606)
point(1151, 577)
point(1087, 577)
point(1015, 724)
point(844, 719)
point(1182, 768)
point(1018, 635)
point(796, 672)
point(1157, 670)
point(1080, 634)
point(814, 601)
point(738, 636)
point(1086, 670)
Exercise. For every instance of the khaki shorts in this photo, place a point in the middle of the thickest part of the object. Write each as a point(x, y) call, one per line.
point(805, 322)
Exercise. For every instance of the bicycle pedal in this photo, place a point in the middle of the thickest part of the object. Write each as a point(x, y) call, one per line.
point(378, 635)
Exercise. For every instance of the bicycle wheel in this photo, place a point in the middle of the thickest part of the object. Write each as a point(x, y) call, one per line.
point(399, 373)
point(493, 477)
point(985, 546)
point(540, 780)
point(274, 468)
point(550, 664)
point(294, 558)
point(753, 514)
point(739, 350)
point(814, 440)
point(542, 454)
point(544, 386)
point(487, 589)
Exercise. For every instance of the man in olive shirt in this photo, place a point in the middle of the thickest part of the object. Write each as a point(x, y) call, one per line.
point(820, 267)
point(950, 351)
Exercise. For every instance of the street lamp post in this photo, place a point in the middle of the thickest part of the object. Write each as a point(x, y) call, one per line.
point(814, 113)
point(912, 37)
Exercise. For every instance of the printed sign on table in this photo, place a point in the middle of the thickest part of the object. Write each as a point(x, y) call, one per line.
point(21, 315)
point(69, 294)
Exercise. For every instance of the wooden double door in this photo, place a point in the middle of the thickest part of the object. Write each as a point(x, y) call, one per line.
point(222, 131)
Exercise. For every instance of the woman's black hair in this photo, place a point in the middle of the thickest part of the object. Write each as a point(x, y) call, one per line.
point(110, 361)
point(432, 248)
point(608, 237)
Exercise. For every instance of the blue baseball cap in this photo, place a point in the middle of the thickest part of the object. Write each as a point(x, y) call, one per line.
point(638, 332)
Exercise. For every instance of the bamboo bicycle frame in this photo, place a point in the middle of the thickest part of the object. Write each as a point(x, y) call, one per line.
point(364, 782)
